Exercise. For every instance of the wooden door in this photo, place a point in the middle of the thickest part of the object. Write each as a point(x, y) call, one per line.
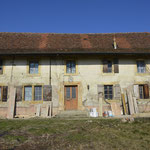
point(71, 97)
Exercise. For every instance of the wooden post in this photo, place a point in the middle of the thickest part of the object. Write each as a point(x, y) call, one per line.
point(100, 106)
point(50, 110)
point(135, 105)
point(47, 110)
point(11, 102)
point(130, 101)
point(124, 104)
point(38, 110)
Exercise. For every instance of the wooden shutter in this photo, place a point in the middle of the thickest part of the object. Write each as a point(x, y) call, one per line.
point(47, 93)
point(136, 91)
point(1, 67)
point(105, 66)
point(146, 91)
point(100, 90)
point(5, 92)
point(117, 91)
point(1, 92)
point(19, 93)
point(116, 66)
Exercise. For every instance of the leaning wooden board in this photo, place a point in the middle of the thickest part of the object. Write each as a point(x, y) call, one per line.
point(130, 101)
point(11, 102)
point(124, 104)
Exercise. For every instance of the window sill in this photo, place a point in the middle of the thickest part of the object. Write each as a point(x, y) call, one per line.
point(70, 74)
point(142, 74)
point(112, 100)
point(108, 74)
point(1, 102)
point(143, 99)
point(33, 102)
point(33, 75)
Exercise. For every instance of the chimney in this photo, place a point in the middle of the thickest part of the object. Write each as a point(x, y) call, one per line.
point(115, 44)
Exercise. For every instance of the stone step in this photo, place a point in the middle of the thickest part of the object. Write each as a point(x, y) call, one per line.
point(72, 113)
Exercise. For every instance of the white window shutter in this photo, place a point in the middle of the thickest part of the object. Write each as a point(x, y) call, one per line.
point(117, 91)
point(136, 91)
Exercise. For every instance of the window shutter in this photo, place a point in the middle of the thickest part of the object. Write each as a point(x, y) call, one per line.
point(1, 89)
point(117, 91)
point(146, 91)
point(100, 90)
point(105, 66)
point(19, 93)
point(1, 67)
point(47, 93)
point(116, 66)
point(5, 91)
point(136, 91)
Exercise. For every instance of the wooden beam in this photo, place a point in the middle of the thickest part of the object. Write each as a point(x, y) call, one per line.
point(11, 102)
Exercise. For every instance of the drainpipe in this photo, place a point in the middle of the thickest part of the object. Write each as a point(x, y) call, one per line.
point(50, 73)
point(11, 77)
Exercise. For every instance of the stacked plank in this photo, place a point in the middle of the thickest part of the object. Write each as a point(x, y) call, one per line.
point(132, 103)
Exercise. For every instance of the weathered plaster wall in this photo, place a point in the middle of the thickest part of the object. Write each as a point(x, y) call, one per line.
point(89, 72)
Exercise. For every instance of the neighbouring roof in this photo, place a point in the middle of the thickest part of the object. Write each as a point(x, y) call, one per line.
point(51, 43)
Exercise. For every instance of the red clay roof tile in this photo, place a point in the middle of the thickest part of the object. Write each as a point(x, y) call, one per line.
point(48, 43)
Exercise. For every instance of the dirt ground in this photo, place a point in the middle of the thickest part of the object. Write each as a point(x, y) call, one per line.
point(79, 134)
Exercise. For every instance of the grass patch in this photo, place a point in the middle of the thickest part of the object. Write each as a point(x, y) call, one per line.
point(11, 138)
point(74, 134)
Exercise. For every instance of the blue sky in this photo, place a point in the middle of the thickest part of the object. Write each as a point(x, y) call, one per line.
point(75, 16)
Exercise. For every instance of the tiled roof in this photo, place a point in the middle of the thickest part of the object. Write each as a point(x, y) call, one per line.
point(48, 43)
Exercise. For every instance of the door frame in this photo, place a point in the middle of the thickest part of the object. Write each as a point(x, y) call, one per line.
point(79, 92)
point(71, 99)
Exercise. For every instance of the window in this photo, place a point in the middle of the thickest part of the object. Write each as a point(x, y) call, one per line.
point(141, 66)
point(144, 91)
point(67, 92)
point(73, 92)
point(1, 67)
point(70, 67)
point(110, 66)
point(33, 67)
point(37, 93)
point(108, 91)
point(28, 93)
point(3, 93)
point(70, 92)
point(33, 93)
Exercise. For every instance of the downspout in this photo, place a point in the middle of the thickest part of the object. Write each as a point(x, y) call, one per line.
point(50, 73)
point(11, 77)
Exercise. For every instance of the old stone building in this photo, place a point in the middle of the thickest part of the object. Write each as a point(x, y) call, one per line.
point(74, 72)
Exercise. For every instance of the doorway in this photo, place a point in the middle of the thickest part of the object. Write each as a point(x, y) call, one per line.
point(71, 97)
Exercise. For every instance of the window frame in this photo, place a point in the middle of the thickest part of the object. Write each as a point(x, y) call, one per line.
point(30, 91)
point(144, 96)
point(141, 60)
point(108, 92)
point(34, 68)
point(2, 66)
point(76, 67)
point(28, 67)
point(41, 93)
point(33, 92)
point(1, 100)
point(114, 64)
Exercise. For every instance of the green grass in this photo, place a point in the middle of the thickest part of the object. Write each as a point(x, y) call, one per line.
point(81, 134)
